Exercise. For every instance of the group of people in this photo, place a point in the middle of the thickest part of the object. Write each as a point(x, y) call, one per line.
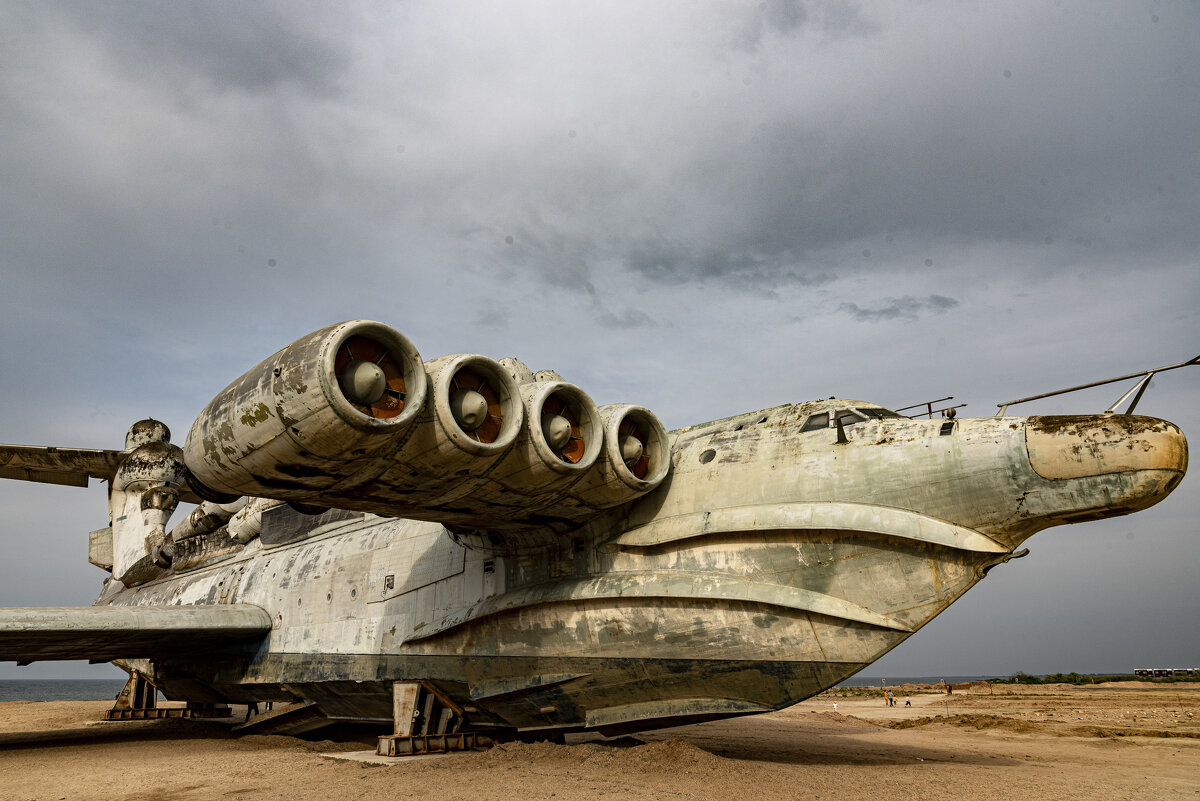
point(889, 698)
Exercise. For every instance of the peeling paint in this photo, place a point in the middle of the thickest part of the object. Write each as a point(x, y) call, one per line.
point(258, 414)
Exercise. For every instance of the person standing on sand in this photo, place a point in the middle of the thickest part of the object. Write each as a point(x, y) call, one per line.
point(907, 701)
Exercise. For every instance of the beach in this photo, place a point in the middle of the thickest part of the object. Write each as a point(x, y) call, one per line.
point(1126, 740)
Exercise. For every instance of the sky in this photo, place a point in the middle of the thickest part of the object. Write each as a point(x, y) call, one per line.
point(702, 207)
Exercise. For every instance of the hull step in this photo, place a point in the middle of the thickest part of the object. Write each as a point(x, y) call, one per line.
point(289, 719)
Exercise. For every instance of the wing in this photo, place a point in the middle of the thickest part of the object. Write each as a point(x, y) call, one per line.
point(71, 467)
point(105, 633)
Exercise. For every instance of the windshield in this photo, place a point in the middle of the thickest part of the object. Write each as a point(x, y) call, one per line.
point(877, 413)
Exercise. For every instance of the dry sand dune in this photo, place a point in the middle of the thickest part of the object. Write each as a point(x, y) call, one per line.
point(1055, 742)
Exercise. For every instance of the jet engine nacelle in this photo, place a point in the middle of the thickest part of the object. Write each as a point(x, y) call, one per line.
point(325, 409)
point(636, 457)
point(472, 418)
point(558, 446)
point(495, 444)
point(349, 417)
point(633, 458)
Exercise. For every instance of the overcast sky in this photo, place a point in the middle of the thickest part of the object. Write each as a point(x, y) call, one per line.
point(705, 208)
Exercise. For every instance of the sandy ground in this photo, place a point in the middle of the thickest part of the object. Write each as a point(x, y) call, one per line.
point(1128, 741)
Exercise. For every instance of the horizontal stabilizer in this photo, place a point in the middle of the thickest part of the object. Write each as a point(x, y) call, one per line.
point(104, 633)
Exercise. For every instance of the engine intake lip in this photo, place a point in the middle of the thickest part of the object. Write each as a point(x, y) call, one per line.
point(657, 449)
point(505, 413)
point(403, 355)
point(587, 433)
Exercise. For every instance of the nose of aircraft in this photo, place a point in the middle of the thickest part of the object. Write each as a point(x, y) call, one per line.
point(1099, 466)
point(1078, 446)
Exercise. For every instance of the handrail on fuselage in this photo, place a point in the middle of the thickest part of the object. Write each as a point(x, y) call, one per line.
point(1139, 387)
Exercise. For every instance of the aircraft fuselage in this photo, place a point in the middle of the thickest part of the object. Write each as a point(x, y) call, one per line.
point(782, 553)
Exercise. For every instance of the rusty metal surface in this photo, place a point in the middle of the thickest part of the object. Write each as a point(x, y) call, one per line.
point(138, 700)
point(158, 713)
point(397, 746)
point(404, 707)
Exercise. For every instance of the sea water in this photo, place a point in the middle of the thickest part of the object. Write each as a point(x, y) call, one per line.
point(60, 689)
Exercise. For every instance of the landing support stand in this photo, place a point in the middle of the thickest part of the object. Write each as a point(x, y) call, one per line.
point(427, 722)
point(138, 700)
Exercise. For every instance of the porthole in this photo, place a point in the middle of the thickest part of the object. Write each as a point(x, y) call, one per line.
point(707, 456)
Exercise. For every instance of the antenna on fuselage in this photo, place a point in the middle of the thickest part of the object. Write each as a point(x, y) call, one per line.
point(1139, 388)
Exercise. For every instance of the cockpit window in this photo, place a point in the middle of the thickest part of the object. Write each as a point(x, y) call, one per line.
point(849, 417)
point(877, 414)
point(815, 422)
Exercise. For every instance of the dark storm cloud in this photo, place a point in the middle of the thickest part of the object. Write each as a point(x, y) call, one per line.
point(772, 161)
point(624, 319)
point(905, 308)
point(248, 47)
point(789, 17)
point(747, 263)
point(774, 17)
point(493, 318)
point(1022, 130)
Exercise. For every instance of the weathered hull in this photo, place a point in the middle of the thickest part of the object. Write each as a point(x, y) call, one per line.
point(574, 692)
point(636, 638)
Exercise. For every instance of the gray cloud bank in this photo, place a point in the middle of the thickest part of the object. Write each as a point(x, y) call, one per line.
point(771, 145)
point(905, 308)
